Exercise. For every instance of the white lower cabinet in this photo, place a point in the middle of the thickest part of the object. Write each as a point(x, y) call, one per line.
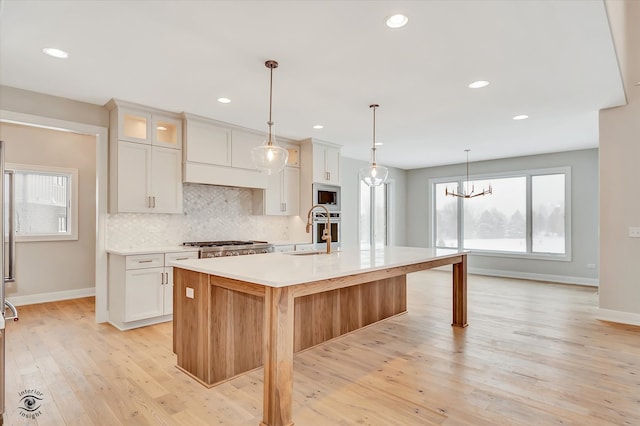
point(141, 288)
point(144, 294)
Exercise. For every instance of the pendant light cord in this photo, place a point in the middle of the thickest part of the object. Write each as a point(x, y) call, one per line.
point(373, 148)
point(271, 65)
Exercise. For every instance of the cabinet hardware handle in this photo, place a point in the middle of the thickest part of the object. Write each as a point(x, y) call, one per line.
point(154, 202)
point(167, 278)
point(145, 261)
point(182, 258)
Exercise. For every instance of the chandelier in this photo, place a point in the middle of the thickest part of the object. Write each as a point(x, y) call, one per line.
point(470, 194)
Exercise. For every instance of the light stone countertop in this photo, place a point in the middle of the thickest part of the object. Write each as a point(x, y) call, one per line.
point(283, 269)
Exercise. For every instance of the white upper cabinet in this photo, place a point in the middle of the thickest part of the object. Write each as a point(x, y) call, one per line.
point(206, 142)
point(281, 197)
point(166, 131)
point(145, 127)
point(166, 180)
point(241, 146)
point(133, 177)
point(326, 164)
point(217, 153)
point(145, 167)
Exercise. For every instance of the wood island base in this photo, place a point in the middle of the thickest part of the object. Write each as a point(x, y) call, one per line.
point(224, 327)
point(219, 332)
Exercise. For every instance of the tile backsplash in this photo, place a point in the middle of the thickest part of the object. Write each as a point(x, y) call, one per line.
point(210, 213)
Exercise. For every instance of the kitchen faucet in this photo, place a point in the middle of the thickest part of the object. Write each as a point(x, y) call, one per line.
point(326, 233)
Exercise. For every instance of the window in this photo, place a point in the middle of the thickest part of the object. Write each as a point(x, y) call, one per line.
point(45, 202)
point(374, 210)
point(527, 214)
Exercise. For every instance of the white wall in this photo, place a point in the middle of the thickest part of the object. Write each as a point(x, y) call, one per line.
point(54, 266)
point(38, 104)
point(620, 176)
point(584, 220)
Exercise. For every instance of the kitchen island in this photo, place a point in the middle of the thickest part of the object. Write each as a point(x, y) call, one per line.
point(234, 314)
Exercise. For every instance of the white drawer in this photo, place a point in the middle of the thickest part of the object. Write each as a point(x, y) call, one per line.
point(169, 258)
point(141, 261)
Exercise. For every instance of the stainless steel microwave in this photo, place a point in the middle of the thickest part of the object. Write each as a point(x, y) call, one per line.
point(327, 196)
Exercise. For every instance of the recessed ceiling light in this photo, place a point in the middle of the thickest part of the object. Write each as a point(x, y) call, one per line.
point(479, 84)
point(224, 100)
point(521, 117)
point(161, 128)
point(379, 143)
point(318, 126)
point(56, 53)
point(397, 21)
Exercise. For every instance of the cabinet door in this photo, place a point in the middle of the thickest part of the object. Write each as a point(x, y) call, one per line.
point(241, 145)
point(167, 307)
point(134, 126)
point(291, 191)
point(326, 164)
point(168, 282)
point(144, 293)
point(207, 143)
point(166, 132)
point(134, 176)
point(332, 164)
point(166, 180)
point(319, 164)
point(273, 195)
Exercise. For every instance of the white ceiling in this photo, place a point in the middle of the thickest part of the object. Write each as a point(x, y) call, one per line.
point(553, 60)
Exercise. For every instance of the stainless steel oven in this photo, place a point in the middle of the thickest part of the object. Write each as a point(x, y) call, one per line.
point(320, 221)
point(327, 196)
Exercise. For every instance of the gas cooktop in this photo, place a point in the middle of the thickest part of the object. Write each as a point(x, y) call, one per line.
point(230, 248)
point(221, 243)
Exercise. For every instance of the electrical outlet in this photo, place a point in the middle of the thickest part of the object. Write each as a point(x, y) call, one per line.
point(190, 293)
point(634, 232)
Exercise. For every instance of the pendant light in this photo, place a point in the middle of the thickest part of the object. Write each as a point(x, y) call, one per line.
point(469, 194)
point(268, 157)
point(374, 174)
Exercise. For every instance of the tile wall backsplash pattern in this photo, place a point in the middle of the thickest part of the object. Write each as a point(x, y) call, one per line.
point(210, 213)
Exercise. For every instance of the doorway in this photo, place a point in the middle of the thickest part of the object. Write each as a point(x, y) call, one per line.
point(99, 135)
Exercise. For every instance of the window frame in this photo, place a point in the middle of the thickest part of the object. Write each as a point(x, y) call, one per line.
point(72, 208)
point(529, 254)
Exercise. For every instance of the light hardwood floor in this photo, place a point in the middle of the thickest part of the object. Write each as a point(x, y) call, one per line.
point(533, 354)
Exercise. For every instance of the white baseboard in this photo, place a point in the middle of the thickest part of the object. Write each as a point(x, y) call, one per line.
point(52, 297)
point(124, 326)
point(618, 316)
point(564, 279)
